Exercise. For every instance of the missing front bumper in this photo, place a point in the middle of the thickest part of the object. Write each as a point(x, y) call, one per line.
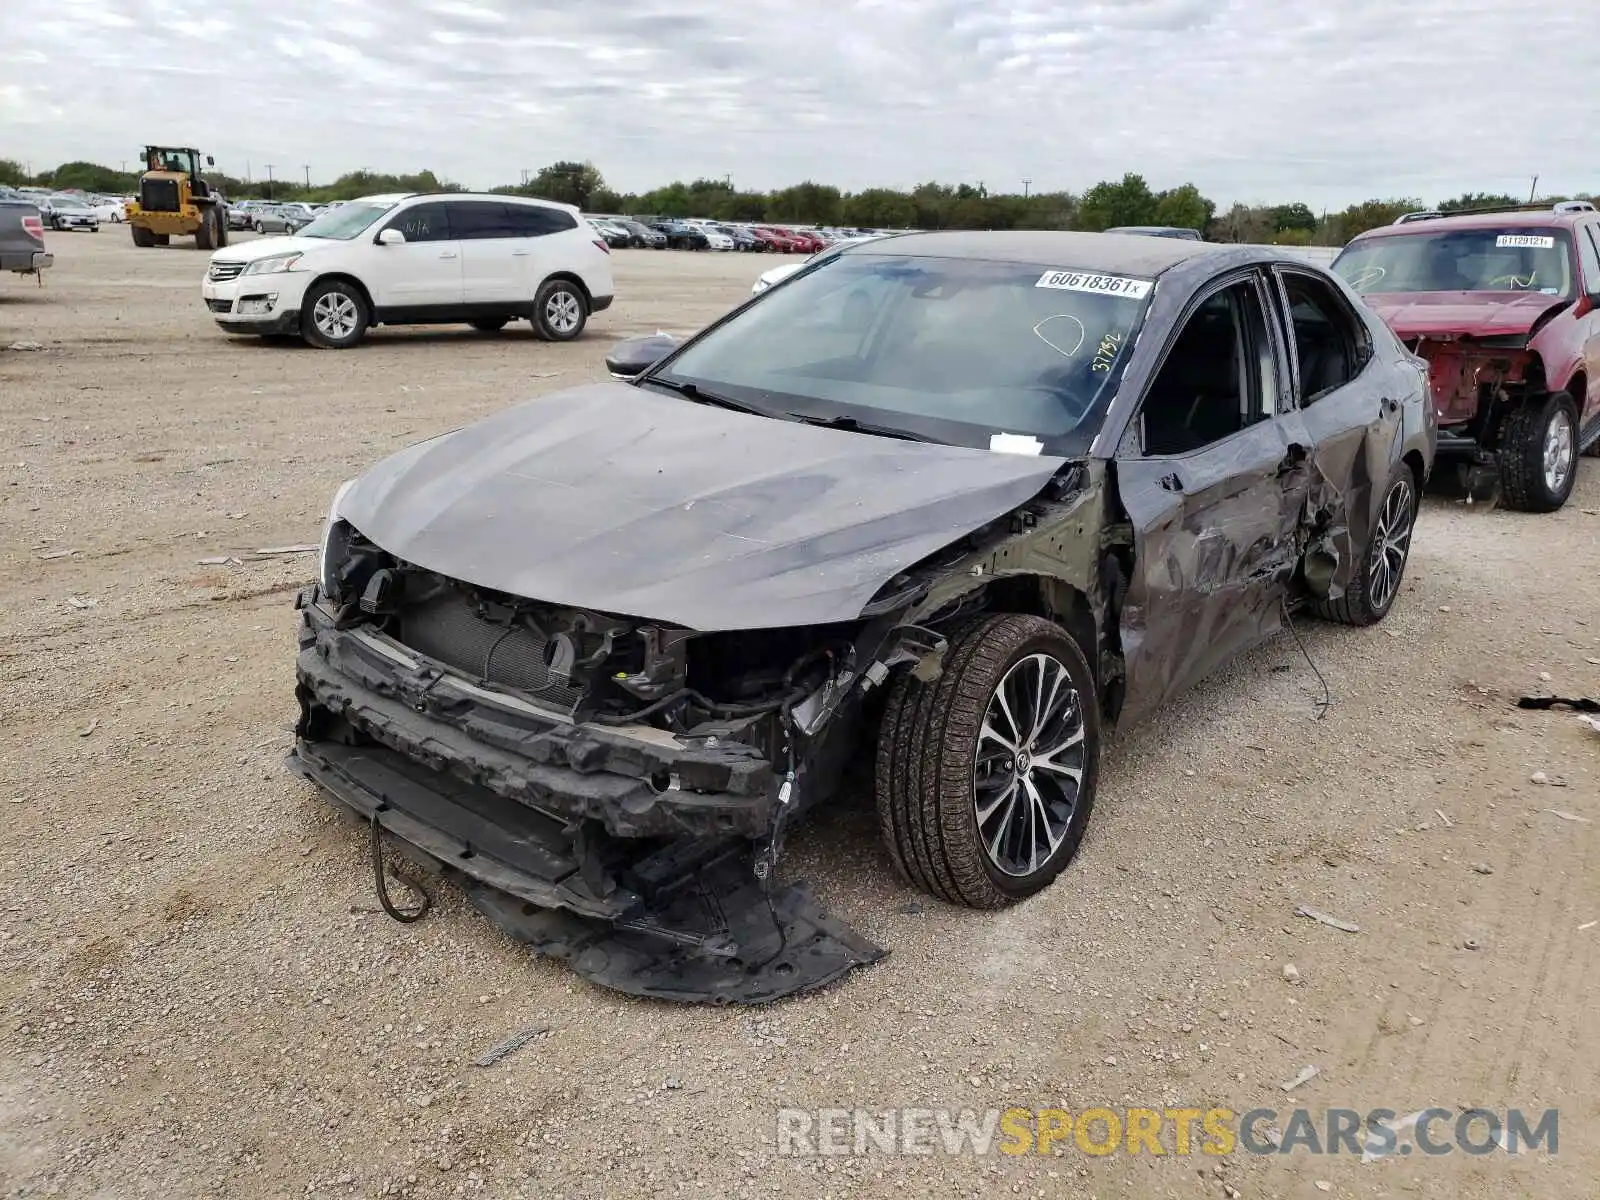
point(684, 920)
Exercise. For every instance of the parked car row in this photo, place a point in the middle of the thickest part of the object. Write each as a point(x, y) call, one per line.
point(700, 233)
point(267, 216)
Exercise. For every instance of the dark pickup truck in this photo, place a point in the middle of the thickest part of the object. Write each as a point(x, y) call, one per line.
point(22, 238)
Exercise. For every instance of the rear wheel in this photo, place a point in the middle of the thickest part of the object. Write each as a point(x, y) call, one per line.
point(334, 315)
point(986, 776)
point(489, 324)
point(559, 311)
point(1539, 454)
point(1373, 586)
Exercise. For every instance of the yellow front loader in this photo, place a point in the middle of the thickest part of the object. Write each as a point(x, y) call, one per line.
point(175, 199)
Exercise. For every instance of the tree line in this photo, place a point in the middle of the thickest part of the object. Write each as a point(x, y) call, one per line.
point(1126, 201)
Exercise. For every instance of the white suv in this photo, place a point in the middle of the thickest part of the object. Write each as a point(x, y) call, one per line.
point(436, 258)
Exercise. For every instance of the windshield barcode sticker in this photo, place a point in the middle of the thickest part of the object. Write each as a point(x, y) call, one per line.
point(1104, 285)
point(1535, 241)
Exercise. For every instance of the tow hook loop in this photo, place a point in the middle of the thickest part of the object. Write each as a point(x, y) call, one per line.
point(404, 917)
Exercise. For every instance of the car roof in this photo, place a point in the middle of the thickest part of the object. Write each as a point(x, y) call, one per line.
point(1045, 248)
point(1535, 218)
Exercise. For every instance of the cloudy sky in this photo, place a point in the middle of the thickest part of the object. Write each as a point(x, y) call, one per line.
point(1328, 102)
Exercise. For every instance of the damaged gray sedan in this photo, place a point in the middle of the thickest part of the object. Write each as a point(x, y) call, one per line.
point(945, 506)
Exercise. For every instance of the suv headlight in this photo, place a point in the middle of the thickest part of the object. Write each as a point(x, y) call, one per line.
point(335, 545)
point(275, 265)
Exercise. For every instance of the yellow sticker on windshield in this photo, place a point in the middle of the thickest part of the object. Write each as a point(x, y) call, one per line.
point(1102, 285)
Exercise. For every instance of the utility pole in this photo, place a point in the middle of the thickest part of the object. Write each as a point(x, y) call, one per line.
point(1533, 190)
point(307, 169)
point(1026, 184)
point(269, 181)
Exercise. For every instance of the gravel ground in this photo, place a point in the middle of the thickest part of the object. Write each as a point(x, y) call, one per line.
point(198, 998)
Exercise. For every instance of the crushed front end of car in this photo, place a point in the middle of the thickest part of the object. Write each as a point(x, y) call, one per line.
point(599, 698)
point(612, 792)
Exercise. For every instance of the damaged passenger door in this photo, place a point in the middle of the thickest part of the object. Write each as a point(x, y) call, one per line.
point(1211, 474)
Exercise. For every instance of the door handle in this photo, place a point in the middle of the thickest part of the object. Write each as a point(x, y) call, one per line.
point(447, 254)
point(519, 254)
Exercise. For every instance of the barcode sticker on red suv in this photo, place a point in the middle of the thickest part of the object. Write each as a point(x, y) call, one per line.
point(1534, 241)
point(1104, 285)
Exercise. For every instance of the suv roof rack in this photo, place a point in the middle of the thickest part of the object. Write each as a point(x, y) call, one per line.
point(1560, 206)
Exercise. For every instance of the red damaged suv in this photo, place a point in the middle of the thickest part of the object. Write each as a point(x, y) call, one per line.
point(1505, 307)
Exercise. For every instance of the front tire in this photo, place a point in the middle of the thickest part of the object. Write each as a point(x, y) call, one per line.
point(205, 236)
point(1372, 590)
point(560, 311)
point(333, 315)
point(1539, 454)
point(986, 776)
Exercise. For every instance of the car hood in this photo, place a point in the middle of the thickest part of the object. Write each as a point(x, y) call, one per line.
point(1477, 314)
point(629, 501)
point(272, 247)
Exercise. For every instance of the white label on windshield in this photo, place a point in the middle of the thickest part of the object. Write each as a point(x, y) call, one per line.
point(1015, 443)
point(1535, 241)
point(1104, 285)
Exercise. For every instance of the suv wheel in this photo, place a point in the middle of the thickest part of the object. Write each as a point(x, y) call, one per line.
point(559, 311)
point(1539, 454)
point(986, 776)
point(1371, 591)
point(334, 315)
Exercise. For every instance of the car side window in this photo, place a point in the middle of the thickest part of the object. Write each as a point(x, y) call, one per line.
point(476, 220)
point(1219, 375)
point(1589, 256)
point(1327, 340)
point(423, 223)
point(530, 220)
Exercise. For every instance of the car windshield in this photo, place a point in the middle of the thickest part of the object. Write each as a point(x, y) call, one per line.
point(66, 202)
point(345, 222)
point(952, 350)
point(1507, 259)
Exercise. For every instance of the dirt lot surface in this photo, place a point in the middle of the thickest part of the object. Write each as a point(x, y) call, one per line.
point(197, 996)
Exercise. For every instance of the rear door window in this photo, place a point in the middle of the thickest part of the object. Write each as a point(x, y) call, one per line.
point(477, 220)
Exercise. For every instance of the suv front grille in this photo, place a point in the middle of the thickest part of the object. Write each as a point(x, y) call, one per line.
point(448, 628)
point(159, 195)
point(221, 271)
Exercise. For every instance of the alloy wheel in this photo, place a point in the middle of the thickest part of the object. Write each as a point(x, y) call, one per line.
point(335, 315)
point(1558, 456)
point(1392, 538)
point(1030, 765)
point(562, 311)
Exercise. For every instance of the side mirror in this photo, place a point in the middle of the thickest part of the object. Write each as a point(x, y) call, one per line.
point(210, 162)
point(632, 358)
point(391, 237)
